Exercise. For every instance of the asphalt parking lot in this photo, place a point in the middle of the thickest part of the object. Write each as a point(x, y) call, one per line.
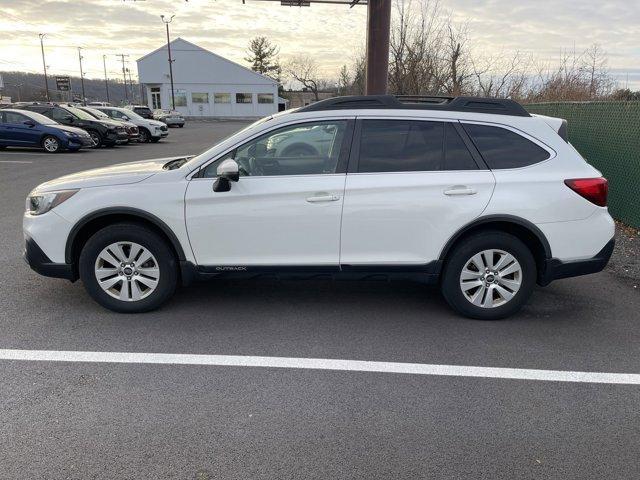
point(168, 420)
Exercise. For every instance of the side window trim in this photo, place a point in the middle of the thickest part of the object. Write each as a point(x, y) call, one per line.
point(343, 158)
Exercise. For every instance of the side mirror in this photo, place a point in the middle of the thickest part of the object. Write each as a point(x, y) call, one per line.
point(68, 118)
point(125, 118)
point(29, 123)
point(228, 171)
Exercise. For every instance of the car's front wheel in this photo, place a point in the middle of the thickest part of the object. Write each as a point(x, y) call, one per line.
point(96, 139)
point(145, 136)
point(51, 144)
point(128, 268)
point(489, 276)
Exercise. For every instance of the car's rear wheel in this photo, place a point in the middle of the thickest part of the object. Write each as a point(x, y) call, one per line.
point(128, 268)
point(489, 276)
point(96, 138)
point(51, 144)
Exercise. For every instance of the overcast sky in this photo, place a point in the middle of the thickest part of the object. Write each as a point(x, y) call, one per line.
point(333, 34)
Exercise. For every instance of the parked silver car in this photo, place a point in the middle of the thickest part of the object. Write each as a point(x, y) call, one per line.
point(170, 117)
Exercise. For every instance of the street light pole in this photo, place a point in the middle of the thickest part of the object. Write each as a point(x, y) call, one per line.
point(44, 65)
point(167, 22)
point(81, 75)
point(106, 82)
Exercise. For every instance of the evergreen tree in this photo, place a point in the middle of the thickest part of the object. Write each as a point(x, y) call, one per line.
point(263, 57)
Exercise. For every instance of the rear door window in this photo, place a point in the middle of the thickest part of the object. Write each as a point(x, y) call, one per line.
point(411, 146)
point(502, 148)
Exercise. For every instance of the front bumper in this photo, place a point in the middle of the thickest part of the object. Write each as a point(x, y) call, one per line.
point(79, 142)
point(40, 263)
point(555, 269)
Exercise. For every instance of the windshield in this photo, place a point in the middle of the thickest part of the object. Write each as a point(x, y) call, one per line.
point(130, 113)
point(79, 113)
point(206, 155)
point(96, 113)
point(37, 117)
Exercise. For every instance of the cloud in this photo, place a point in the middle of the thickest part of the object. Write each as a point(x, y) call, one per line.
point(330, 33)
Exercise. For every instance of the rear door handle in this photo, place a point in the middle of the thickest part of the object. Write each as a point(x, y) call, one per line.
point(460, 190)
point(323, 198)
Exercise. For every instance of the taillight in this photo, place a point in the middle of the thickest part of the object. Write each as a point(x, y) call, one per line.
point(593, 189)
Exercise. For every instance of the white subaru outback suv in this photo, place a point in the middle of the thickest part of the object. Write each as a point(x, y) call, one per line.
point(473, 194)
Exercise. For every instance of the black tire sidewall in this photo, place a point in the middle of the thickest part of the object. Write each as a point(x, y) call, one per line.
point(450, 284)
point(148, 239)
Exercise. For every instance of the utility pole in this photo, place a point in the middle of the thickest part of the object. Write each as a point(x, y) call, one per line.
point(44, 65)
point(167, 22)
point(106, 82)
point(124, 75)
point(133, 94)
point(81, 75)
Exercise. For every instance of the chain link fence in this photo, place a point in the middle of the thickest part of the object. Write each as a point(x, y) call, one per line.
point(607, 135)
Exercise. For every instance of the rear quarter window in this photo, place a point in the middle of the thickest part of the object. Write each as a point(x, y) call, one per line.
point(502, 148)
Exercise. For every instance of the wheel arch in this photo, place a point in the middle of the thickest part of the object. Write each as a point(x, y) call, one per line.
point(99, 219)
point(521, 228)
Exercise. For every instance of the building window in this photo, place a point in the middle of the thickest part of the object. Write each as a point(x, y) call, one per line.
point(221, 98)
point(265, 98)
point(199, 98)
point(244, 98)
point(181, 98)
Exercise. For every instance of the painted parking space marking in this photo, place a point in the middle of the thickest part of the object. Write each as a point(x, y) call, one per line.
point(16, 161)
point(320, 364)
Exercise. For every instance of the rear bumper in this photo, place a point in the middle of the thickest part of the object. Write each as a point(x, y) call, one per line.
point(40, 263)
point(555, 269)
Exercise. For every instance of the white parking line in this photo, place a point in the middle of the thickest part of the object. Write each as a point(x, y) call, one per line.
point(320, 364)
point(15, 161)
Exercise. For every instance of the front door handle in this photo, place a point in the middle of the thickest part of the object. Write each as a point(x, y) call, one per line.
point(323, 198)
point(460, 190)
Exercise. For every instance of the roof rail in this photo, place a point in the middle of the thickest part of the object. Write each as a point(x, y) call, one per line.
point(496, 106)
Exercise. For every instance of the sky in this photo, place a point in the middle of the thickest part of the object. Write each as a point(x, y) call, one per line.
point(332, 34)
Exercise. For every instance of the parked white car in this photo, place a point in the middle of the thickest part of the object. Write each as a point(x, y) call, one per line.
point(473, 194)
point(149, 130)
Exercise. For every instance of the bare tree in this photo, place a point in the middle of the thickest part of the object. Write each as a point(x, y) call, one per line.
point(304, 70)
point(501, 76)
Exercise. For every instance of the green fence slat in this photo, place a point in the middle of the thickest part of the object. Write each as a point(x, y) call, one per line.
point(607, 135)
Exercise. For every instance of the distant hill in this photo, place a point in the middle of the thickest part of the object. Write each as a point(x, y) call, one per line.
point(23, 86)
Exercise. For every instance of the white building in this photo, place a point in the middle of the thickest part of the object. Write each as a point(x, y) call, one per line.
point(205, 84)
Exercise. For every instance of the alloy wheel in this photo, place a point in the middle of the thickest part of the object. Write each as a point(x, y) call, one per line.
point(491, 278)
point(95, 138)
point(51, 144)
point(127, 271)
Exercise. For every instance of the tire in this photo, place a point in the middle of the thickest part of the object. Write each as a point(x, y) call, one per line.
point(155, 139)
point(181, 125)
point(507, 291)
point(145, 136)
point(96, 137)
point(51, 144)
point(153, 281)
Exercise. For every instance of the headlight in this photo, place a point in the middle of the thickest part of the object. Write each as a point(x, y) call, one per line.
point(70, 134)
point(39, 203)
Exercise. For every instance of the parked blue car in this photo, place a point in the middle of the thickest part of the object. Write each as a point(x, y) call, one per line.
point(21, 128)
